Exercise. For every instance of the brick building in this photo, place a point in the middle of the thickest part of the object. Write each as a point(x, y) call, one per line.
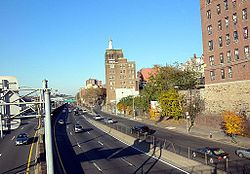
point(119, 73)
point(226, 42)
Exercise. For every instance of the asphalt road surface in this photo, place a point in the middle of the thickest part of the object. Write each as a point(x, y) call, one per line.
point(93, 151)
point(13, 159)
point(183, 141)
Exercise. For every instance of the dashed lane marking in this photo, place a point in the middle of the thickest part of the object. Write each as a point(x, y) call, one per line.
point(100, 143)
point(70, 133)
point(97, 167)
point(22, 128)
point(13, 138)
point(113, 154)
point(88, 132)
point(0, 154)
point(126, 161)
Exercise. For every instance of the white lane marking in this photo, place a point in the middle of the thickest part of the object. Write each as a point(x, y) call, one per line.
point(97, 167)
point(67, 127)
point(100, 143)
point(113, 154)
point(126, 161)
point(22, 127)
point(78, 145)
point(70, 133)
point(13, 138)
point(88, 132)
point(0, 154)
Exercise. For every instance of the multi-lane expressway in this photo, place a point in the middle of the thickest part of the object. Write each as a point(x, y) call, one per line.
point(236, 164)
point(93, 151)
point(18, 159)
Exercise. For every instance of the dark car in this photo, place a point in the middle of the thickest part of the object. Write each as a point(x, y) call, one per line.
point(140, 129)
point(213, 154)
point(22, 139)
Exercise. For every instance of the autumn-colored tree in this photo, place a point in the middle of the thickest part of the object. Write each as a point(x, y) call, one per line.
point(170, 104)
point(233, 124)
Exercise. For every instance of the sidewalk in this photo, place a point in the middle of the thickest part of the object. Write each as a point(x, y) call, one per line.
point(197, 131)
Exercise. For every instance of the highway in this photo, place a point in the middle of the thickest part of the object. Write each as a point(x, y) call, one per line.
point(14, 159)
point(93, 151)
point(183, 141)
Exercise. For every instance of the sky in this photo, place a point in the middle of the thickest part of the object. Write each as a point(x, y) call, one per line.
point(64, 41)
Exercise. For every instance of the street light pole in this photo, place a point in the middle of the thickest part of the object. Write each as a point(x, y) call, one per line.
point(48, 132)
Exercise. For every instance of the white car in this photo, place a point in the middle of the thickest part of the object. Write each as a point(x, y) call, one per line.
point(98, 117)
point(243, 153)
point(78, 128)
point(108, 120)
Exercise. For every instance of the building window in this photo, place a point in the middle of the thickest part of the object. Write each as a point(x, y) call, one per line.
point(210, 45)
point(234, 3)
point(225, 4)
point(244, 14)
point(219, 25)
point(246, 51)
point(236, 54)
point(235, 36)
point(218, 9)
point(235, 18)
point(221, 58)
point(227, 39)
point(245, 32)
point(220, 42)
point(211, 60)
point(230, 72)
point(212, 75)
point(227, 21)
point(222, 71)
point(209, 29)
point(208, 2)
point(209, 14)
point(228, 56)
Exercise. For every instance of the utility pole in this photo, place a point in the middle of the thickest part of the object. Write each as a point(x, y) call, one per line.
point(48, 132)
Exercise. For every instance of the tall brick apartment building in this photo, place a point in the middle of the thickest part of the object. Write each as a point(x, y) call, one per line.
point(226, 49)
point(119, 73)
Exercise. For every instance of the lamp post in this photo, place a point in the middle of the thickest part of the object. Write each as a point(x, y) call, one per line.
point(187, 118)
point(134, 106)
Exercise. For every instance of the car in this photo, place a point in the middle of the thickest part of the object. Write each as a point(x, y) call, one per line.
point(141, 129)
point(60, 121)
point(108, 120)
point(243, 153)
point(22, 139)
point(84, 111)
point(213, 154)
point(78, 128)
point(98, 117)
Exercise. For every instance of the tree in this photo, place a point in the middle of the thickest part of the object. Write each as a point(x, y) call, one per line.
point(170, 104)
point(233, 124)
